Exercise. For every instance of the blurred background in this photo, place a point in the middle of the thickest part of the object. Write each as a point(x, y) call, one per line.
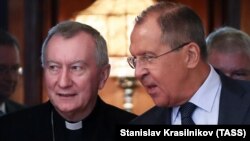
point(30, 20)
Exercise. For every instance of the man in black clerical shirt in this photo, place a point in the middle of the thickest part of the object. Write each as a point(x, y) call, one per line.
point(76, 66)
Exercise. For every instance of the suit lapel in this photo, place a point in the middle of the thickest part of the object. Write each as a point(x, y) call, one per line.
point(163, 116)
point(10, 107)
point(234, 101)
point(155, 115)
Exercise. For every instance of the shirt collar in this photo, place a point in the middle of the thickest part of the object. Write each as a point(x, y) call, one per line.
point(2, 107)
point(205, 96)
point(73, 126)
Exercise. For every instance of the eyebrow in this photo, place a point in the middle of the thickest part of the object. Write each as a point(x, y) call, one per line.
point(9, 65)
point(74, 62)
point(242, 70)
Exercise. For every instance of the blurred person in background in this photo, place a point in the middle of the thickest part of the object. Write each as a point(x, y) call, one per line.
point(229, 51)
point(9, 75)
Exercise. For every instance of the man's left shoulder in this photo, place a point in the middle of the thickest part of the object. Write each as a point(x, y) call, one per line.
point(116, 112)
point(12, 106)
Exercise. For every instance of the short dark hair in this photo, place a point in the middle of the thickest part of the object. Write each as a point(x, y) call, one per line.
point(7, 39)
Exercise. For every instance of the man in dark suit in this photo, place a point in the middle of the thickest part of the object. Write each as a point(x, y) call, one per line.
point(76, 66)
point(9, 65)
point(170, 60)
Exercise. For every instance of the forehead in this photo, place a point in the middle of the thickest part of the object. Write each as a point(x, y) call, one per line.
point(147, 26)
point(230, 61)
point(146, 35)
point(8, 54)
point(79, 46)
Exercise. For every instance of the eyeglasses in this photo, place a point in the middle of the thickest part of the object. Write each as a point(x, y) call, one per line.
point(4, 69)
point(148, 58)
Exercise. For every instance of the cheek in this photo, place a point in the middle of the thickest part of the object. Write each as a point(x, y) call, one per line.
point(50, 80)
point(170, 73)
point(169, 69)
point(86, 82)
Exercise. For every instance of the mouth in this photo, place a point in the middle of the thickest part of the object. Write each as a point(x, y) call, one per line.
point(66, 95)
point(151, 88)
point(7, 88)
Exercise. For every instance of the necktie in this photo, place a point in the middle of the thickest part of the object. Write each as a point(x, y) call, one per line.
point(187, 110)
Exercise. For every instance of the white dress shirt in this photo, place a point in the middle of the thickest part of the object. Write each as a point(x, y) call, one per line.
point(207, 101)
point(2, 108)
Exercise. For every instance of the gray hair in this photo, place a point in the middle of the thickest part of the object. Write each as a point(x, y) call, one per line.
point(179, 24)
point(228, 39)
point(70, 28)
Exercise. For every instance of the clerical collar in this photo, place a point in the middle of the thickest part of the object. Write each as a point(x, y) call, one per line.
point(73, 126)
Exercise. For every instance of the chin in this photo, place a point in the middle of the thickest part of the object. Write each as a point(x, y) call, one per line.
point(161, 103)
point(66, 108)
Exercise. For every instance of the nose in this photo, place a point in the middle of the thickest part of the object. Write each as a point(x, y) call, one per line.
point(65, 79)
point(140, 71)
point(10, 75)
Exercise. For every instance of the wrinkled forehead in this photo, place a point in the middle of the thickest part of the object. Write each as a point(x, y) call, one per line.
point(79, 45)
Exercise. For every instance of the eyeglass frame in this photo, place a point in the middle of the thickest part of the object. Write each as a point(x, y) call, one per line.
point(14, 69)
point(132, 60)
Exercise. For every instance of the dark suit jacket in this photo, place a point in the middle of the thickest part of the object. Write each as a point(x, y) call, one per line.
point(12, 106)
point(234, 107)
point(37, 124)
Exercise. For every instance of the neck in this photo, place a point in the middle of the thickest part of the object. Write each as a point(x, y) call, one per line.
point(194, 81)
point(1, 101)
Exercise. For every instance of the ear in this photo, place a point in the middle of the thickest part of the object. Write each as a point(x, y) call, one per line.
point(193, 55)
point(104, 76)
